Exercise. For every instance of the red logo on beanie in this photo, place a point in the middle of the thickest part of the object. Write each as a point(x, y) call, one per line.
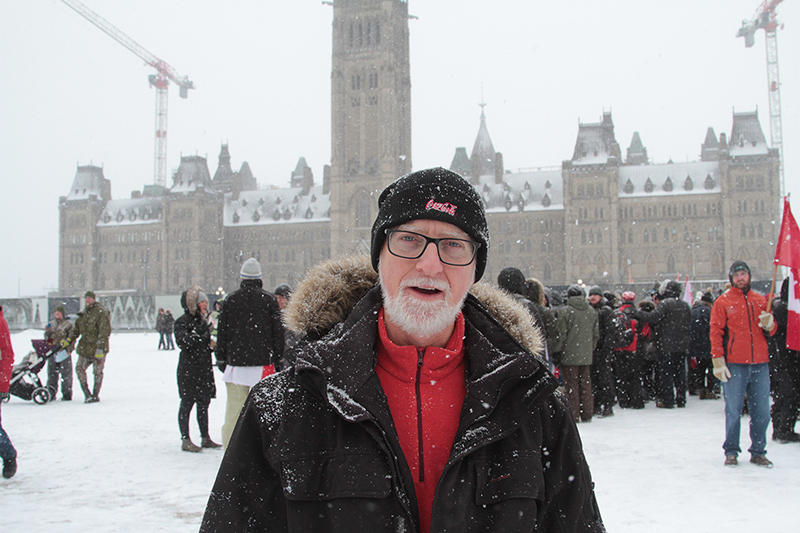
point(448, 208)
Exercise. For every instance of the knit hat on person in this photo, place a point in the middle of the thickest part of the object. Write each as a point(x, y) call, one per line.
point(628, 296)
point(61, 309)
point(251, 269)
point(595, 290)
point(575, 290)
point(707, 297)
point(432, 194)
point(283, 290)
point(90, 294)
point(737, 266)
point(201, 297)
point(511, 280)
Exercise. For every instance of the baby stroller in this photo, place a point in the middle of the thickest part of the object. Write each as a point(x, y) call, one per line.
point(24, 376)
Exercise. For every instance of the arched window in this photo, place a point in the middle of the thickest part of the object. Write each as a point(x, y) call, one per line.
point(630, 236)
point(670, 263)
point(547, 272)
point(646, 236)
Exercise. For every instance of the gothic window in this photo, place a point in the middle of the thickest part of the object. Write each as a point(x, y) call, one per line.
point(630, 236)
point(601, 213)
point(646, 236)
point(744, 232)
point(760, 231)
point(622, 236)
point(599, 190)
point(369, 33)
point(752, 231)
point(350, 34)
point(591, 236)
point(544, 247)
point(711, 233)
point(599, 237)
point(547, 272)
point(674, 234)
point(655, 235)
point(670, 263)
point(362, 211)
point(377, 32)
point(360, 34)
point(666, 235)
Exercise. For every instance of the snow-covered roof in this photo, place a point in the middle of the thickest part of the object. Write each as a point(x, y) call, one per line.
point(747, 138)
point(277, 206)
point(525, 190)
point(192, 173)
point(146, 210)
point(88, 181)
point(669, 179)
point(591, 147)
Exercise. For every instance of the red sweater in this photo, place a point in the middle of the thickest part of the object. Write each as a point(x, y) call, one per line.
point(425, 390)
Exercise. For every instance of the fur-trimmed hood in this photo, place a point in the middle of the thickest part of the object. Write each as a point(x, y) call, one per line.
point(331, 289)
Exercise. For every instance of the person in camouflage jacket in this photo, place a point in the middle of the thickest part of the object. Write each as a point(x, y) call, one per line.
point(60, 363)
point(93, 327)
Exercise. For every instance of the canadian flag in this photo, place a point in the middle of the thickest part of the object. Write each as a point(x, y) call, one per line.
point(787, 254)
point(687, 292)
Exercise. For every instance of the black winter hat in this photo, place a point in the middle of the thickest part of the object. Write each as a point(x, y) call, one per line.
point(432, 194)
point(511, 280)
point(283, 290)
point(707, 297)
point(736, 266)
point(595, 290)
point(575, 290)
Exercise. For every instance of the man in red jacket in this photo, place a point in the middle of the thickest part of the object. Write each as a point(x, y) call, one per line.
point(739, 320)
point(7, 451)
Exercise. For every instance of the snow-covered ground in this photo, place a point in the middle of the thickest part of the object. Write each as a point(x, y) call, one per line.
point(116, 466)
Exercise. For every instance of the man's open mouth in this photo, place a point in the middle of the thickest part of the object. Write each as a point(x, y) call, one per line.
point(426, 290)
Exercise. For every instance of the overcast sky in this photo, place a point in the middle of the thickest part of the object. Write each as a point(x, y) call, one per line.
point(70, 95)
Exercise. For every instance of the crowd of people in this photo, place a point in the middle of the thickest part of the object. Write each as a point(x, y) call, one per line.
point(608, 350)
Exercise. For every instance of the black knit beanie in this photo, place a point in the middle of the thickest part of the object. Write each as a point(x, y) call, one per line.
point(511, 280)
point(432, 194)
point(736, 266)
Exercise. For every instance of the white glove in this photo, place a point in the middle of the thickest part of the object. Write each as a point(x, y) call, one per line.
point(766, 320)
point(721, 371)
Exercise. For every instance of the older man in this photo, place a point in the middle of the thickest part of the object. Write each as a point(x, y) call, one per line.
point(410, 407)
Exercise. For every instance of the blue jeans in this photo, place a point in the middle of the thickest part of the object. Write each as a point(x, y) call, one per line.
point(753, 380)
point(7, 450)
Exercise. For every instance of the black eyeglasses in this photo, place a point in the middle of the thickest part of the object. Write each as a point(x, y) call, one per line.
point(410, 245)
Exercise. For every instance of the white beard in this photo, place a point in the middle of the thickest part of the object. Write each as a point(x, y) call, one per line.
point(416, 317)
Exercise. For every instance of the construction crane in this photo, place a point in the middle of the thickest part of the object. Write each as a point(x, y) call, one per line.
point(765, 19)
point(160, 81)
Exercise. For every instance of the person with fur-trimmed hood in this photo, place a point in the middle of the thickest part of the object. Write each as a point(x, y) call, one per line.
point(195, 372)
point(417, 401)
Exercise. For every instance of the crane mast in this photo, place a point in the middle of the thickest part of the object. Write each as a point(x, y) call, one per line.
point(766, 19)
point(160, 81)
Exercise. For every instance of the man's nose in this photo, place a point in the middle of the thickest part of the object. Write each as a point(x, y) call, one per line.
point(429, 262)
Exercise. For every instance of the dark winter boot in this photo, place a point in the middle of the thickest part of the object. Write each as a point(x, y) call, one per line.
point(9, 467)
point(188, 446)
point(208, 443)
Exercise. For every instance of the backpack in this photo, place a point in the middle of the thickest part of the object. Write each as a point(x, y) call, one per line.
point(619, 332)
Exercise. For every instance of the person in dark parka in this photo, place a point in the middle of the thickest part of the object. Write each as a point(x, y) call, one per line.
point(415, 404)
point(784, 365)
point(195, 372)
point(670, 325)
point(701, 372)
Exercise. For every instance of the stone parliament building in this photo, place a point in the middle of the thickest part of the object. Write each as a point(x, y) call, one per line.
point(601, 217)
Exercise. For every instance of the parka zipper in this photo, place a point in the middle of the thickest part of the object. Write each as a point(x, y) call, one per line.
point(750, 326)
point(417, 390)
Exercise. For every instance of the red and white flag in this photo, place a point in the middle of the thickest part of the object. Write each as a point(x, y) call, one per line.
point(787, 254)
point(687, 292)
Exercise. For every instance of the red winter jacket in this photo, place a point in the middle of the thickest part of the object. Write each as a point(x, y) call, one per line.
point(6, 354)
point(735, 330)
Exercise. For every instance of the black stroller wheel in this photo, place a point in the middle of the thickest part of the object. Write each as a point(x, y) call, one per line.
point(6, 399)
point(41, 395)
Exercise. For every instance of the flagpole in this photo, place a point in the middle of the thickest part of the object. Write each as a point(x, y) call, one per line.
point(772, 289)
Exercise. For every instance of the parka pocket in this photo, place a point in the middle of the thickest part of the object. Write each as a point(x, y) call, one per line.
point(336, 476)
point(511, 475)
